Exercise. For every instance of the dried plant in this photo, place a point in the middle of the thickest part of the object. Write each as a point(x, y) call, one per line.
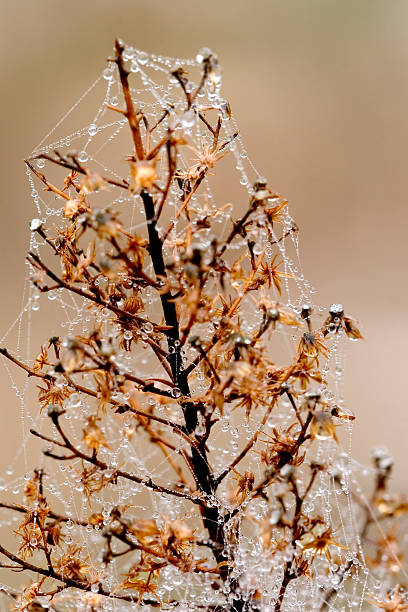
point(245, 500)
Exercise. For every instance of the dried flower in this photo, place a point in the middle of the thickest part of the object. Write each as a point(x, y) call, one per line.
point(71, 564)
point(318, 542)
point(143, 175)
point(52, 394)
point(93, 436)
point(322, 427)
point(26, 599)
point(41, 360)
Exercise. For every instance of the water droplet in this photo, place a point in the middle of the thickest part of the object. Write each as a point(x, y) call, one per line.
point(176, 392)
point(143, 58)
point(203, 54)
point(83, 156)
point(40, 163)
point(188, 119)
point(75, 400)
point(92, 129)
point(35, 224)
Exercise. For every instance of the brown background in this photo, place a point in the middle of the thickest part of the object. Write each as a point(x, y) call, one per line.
point(320, 90)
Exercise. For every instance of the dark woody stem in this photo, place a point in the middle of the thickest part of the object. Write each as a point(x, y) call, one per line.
point(202, 471)
point(212, 519)
point(288, 574)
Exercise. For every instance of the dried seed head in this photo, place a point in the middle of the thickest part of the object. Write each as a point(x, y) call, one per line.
point(261, 194)
point(54, 411)
point(272, 314)
point(72, 207)
point(260, 183)
point(336, 310)
point(313, 395)
point(91, 182)
point(306, 311)
point(240, 340)
point(382, 459)
point(204, 54)
point(105, 222)
point(342, 414)
point(143, 175)
point(322, 427)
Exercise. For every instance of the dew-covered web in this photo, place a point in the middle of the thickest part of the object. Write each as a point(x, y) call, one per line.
point(100, 138)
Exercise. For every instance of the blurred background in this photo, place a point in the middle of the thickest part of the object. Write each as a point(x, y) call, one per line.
point(320, 90)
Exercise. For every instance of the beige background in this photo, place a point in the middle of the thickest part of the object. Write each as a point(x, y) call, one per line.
point(320, 89)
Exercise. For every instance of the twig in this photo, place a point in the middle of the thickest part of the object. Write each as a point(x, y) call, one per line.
point(130, 111)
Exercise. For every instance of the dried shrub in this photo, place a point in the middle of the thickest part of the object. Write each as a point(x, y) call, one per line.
point(245, 501)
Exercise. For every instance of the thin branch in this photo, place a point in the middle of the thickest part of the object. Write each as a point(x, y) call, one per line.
point(146, 386)
point(130, 114)
point(248, 446)
point(68, 582)
point(147, 482)
point(30, 371)
point(49, 186)
point(89, 296)
point(64, 163)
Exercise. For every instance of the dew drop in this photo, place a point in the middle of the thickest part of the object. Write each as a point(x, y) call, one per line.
point(75, 400)
point(143, 58)
point(188, 119)
point(83, 156)
point(35, 224)
point(203, 54)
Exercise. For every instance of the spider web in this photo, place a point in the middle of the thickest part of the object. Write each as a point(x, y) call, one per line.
point(101, 143)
